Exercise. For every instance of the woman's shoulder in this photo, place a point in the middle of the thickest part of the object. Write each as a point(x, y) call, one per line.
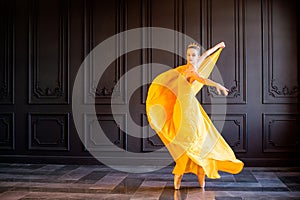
point(181, 68)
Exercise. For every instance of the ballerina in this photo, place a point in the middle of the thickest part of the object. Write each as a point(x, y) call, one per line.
point(182, 124)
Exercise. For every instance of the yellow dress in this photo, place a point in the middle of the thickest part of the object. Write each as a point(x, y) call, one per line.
point(174, 112)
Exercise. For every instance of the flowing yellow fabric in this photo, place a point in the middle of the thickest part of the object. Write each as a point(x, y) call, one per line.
point(175, 114)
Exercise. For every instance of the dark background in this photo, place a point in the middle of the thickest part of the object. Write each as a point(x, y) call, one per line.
point(43, 43)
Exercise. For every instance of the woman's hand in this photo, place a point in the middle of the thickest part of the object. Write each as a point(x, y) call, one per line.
point(222, 89)
point(221, 45)
point(210, 51)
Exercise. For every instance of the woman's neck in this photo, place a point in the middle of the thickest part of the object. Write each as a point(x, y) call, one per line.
point(191, 66)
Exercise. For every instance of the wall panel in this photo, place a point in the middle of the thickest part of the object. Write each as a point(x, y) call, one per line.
point(95, 141)
point(96, 30)
point(48, 132)
point(151, 141)
point(233, 127)
point(7, 51)
point(280, 133)
point(7, 131)
point(48, 52)
point(226, 22)
point(280, 52)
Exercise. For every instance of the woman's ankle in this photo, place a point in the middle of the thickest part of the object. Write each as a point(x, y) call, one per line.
point(177, 181)
point(201, 180)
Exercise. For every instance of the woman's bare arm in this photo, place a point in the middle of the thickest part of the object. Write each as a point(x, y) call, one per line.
point(210, 51)
point(220, 88)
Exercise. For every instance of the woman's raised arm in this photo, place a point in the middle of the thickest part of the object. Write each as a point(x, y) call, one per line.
point(210, 51)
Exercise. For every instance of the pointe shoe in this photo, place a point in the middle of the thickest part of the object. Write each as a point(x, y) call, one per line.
point(177, 181)
point(201, 180)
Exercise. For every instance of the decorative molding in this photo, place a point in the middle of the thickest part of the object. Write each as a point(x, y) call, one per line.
point(47, 92)
point(36, 139)
point(285, 91)
point(273, 92)
point(238, 91)
point(147, 54)
point(7, 43)
point(151, 141)
point(233, 91)
point(39, 140)
point(40, 93)
point(7, 131)
point(93, 141)
point(146, 10)
point(4, 87)
point(179, 25)
point(103, 93)
point(239, 141)
point(275, 128)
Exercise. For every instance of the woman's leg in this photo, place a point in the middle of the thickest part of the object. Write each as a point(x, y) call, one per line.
point(200, 174)
point(185, 165)
point(201, 180)
point(177, 181)
point(179, 170)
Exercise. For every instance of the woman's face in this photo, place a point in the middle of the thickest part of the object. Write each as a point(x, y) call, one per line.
point(192, 56)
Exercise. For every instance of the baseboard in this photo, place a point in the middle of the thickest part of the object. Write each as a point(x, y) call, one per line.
point(271, 162)
point(156, 161)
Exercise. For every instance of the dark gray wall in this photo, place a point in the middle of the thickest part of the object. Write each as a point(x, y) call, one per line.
point(43, 43)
